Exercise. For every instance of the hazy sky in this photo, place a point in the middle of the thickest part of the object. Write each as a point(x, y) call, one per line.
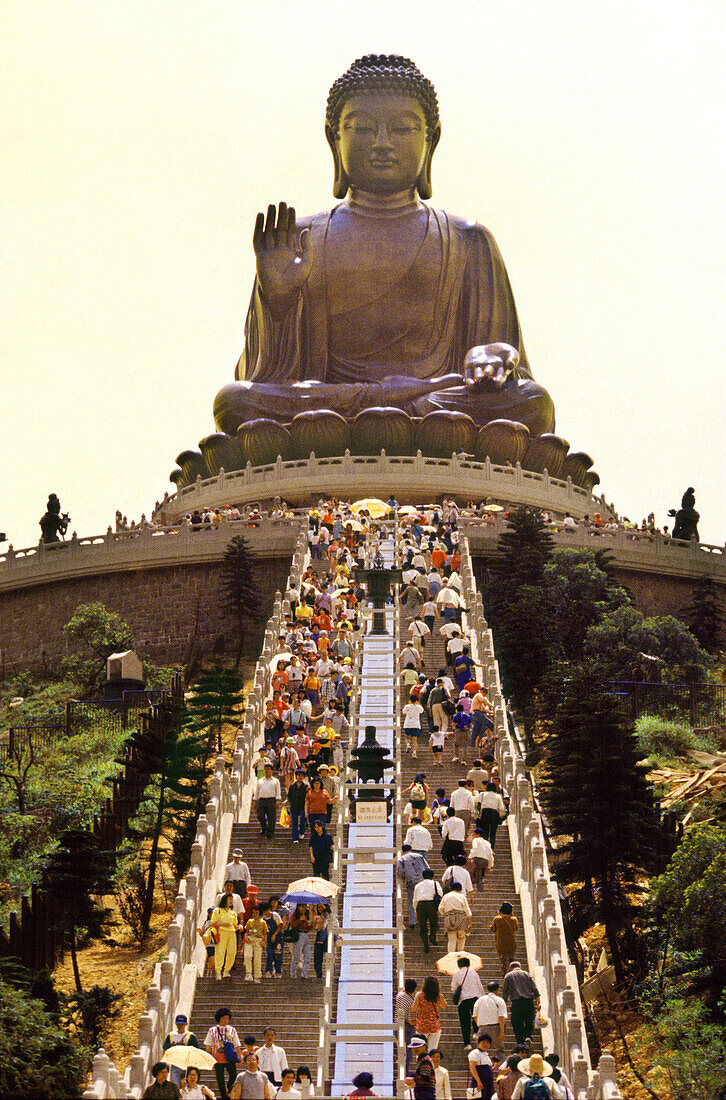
point(139, 140)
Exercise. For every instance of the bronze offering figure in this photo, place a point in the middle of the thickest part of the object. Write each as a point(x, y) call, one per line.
point(383, 300)
point(53, 523)
point(686, 518)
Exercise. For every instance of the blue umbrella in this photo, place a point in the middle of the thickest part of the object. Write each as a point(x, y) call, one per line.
point(304, 898)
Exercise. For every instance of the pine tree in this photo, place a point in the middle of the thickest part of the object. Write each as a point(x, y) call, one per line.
point(215, 700)
point(598, 802)
point(520, 611)
point(240, 589)
point(176, 758)
point(703, 615)
point(77, 873)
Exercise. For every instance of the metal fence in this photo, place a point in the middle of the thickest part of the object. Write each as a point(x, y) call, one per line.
point(697, 705)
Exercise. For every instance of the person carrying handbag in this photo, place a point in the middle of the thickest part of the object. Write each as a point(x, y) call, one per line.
point(466, 988)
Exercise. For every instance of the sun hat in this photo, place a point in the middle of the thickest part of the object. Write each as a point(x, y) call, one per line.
point(535, 1064)
point(417, 1042)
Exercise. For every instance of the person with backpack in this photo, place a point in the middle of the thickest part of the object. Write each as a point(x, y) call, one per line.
point(181, 1036)
point(536, 1082)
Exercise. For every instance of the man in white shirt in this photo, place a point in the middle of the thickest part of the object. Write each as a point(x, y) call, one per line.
point(490, 1014)
point(287, 1088)
point(267, 795)
point(481, 860)
point(238, 873)
point(419, 632)
point(462, 801)
point(426, 898)
point(455, 910)
point(410, 656)
point(458, 873)
point(492, 812)
point(453, 832)
point(443, 1084)
point(468, 983)
point(271, 1058)
point(478, 774)
point(418, 837)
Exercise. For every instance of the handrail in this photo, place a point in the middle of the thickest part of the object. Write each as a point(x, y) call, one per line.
point(543, 925)
point(214, 829)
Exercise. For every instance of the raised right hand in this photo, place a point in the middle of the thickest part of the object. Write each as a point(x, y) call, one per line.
point(283, 262)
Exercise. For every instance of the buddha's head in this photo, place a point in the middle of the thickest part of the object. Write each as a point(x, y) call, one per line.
point(382, 125)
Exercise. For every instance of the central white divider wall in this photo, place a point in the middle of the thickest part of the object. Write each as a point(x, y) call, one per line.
point(364, 1019)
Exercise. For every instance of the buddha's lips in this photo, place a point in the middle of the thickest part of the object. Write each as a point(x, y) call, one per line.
point(383, 163)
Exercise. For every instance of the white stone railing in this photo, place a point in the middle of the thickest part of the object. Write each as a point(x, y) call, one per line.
point(637, 550)
point(141, 548)
point(174, 978)
point(350, 476)
point(543, 927)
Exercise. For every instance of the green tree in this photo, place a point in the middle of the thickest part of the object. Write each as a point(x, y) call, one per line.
point(99, 633)
point(704, 614)
point(686, 1051)
point(215, 700)
point(617, 640)
point(519, 609)
point(240, 589)
point(38, 1060)
point(76, 874)
point(688, 901)
point(176, 759)
point(598, 803)
point(581, 593)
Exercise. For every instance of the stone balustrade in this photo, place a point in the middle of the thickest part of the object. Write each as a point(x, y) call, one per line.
point(141, 548)
point(636, 550)
point(417, 477)
point(543, 927)
point(211, 845)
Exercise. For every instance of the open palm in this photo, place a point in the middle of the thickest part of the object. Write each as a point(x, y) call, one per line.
point(283, 262)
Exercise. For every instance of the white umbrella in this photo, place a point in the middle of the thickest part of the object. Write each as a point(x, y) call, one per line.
point(313, 885)
point(449, 964)
point(493, 508)
point(449, 596)
point(184, 1057)
point(279, 657)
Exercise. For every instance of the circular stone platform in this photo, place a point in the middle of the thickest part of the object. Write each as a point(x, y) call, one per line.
point(413, 479)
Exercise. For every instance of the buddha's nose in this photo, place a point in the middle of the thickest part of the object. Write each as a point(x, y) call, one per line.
point(382, 140)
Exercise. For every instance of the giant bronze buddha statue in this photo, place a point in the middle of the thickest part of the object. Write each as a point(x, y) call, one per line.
point(383, 300)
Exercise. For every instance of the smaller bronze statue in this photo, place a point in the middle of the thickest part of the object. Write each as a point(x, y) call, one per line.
point(370, 761)
point(686, 518)
point(53, 522)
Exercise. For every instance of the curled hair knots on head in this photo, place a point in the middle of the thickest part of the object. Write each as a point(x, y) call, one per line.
point(382, 73)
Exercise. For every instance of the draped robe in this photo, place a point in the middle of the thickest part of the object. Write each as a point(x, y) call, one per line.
point(380, 318)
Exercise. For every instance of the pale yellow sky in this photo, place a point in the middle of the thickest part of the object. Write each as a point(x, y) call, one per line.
point(139, 140)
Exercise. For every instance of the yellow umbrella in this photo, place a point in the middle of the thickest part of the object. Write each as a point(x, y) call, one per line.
point(493, 508)
point(184, 1057)
point(449, 964)
point(354, 525)
point(372, 505)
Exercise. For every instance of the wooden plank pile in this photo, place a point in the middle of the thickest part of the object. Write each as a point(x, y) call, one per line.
point(701, 788)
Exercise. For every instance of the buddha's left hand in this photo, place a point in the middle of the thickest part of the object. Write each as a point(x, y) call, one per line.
point(488, 366)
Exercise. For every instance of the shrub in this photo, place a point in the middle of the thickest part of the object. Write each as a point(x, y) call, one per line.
point(37, 1059)
point(660, 737)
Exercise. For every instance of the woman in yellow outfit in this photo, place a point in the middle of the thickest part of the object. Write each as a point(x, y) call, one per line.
point(224, 921)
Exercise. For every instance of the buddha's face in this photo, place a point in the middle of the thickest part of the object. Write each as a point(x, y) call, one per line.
point(382, 142)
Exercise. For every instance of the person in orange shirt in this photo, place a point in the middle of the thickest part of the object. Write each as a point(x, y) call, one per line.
point(438, 557)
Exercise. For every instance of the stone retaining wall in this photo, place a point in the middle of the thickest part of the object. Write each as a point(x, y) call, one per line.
point(169, 610)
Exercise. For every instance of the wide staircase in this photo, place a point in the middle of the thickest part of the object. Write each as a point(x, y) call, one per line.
point(498, 887)
point(290, 1006)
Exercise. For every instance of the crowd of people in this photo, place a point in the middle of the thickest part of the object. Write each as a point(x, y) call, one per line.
point(298, 773)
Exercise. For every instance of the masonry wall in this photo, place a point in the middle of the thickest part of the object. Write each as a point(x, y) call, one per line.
point(169, 610)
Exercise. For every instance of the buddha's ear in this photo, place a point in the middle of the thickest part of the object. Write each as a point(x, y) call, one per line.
point(423, 183)
point(340, 183)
